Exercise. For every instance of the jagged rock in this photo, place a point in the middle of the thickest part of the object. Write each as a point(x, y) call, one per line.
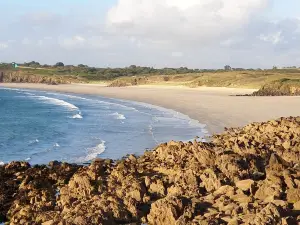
point(296, 205)
point(293, 195)
point(268, 215)
point(269, 190)
point(245, 185)
point(246, 175)
point(157, 188)
point(210, 180)
point(166, 211)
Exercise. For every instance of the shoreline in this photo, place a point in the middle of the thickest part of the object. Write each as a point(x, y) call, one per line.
point(212, 106)
point(241, 177)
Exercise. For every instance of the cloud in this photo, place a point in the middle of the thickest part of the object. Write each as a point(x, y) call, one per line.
point(176, 21)
point(177, 54)
point(41, 18)
point(81, 42)
point(273, 38)
point(159, 33)
point(3, 45)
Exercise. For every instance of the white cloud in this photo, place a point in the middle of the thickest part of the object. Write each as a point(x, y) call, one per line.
point(182, 21)
point(159, 33)
point(26, 41)
point(80, 42)
point(72, 42)
point(3, 45)
point(177, 54)
point(273, 38)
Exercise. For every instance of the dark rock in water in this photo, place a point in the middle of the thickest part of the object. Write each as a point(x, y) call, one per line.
point(246, 175)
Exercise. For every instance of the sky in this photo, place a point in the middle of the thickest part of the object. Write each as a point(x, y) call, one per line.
point(158, 33)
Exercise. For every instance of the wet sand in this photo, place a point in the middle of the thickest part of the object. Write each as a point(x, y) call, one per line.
point(215, 107)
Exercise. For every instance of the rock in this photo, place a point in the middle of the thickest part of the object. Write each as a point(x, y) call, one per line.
point(245, 185)
point(296, 205)
point(268, 215)
point(271, 189)
point(50, 222)
point(166, 211)
point(210, 180)
point(293, 195)
point(246, 175)
point(157, 188)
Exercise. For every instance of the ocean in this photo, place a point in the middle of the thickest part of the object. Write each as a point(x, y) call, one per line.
point(39, 126)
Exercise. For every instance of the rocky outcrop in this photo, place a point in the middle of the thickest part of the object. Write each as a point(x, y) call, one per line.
point(283, 87)
point(24, 77)
point(247, 175)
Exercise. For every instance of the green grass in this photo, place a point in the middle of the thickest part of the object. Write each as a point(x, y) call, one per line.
point(118, 77)
point(248, 79)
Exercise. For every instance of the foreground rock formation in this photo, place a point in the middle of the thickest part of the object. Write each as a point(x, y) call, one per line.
point(249, 175)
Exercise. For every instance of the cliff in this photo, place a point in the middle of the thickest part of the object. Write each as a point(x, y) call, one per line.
point(21, 77)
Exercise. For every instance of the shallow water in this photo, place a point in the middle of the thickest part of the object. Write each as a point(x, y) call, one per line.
point(40, 126)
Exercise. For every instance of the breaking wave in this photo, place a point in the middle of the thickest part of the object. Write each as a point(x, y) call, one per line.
point(119, 116)
point(34, 141)
point(56, 101)
point(92, 153)
point(77, 116)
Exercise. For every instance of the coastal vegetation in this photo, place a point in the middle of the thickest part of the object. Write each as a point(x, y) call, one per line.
point(287, 87)
point(246, 175)
point(133, 75)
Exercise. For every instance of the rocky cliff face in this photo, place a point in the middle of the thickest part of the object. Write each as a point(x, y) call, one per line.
point(249, 176)
point(21, 77)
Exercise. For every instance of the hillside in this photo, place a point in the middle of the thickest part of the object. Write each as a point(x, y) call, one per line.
point(135, 75)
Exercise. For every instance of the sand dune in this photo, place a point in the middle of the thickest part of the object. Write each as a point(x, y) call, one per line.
point(215, 107)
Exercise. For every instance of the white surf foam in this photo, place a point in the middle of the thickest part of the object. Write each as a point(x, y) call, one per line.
point(28, 93)
point(2, 163)
point(174, 114)
point(92, 153)
point(152, 134)
point(69, 96)
point(56, 145)
point(34, 141)
point(118, 116)
point(56, 101)
point(77, 116)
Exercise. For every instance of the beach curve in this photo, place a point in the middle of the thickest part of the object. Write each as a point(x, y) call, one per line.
point(215, 107)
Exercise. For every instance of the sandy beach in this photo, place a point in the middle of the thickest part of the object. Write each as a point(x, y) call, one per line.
point(215, 107)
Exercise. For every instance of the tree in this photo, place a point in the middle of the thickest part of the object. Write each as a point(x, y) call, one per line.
point(59, 64)
point(82, 66)
point(227, 67)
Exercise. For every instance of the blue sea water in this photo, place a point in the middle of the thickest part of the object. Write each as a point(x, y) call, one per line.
point(39, 127)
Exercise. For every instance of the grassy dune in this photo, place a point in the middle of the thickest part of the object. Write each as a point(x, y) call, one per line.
point(233, 79)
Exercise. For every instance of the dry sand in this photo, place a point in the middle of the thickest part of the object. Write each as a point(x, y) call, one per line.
point(214, 107)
